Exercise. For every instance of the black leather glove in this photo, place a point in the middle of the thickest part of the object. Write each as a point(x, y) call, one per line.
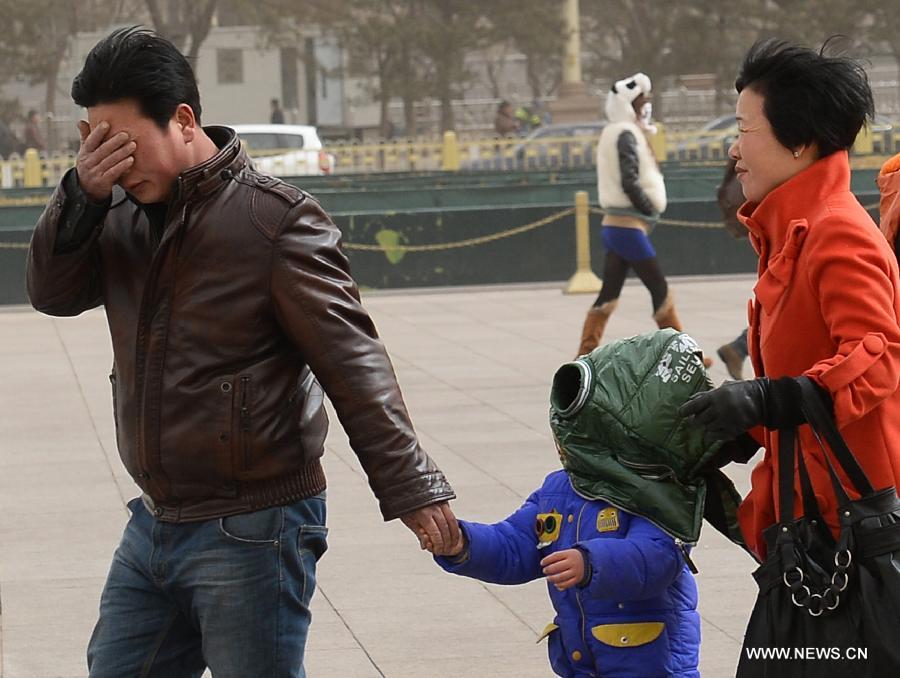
point(737, 406)
point(729, 410)
point(739, 450)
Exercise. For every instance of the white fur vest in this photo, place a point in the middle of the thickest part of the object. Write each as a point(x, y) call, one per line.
point(609, 177)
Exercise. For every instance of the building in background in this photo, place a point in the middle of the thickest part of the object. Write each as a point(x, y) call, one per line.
point(240, 70)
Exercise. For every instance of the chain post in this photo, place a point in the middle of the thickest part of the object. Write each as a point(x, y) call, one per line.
point(584, 280)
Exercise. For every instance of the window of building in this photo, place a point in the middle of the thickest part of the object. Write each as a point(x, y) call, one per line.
point(230, 66)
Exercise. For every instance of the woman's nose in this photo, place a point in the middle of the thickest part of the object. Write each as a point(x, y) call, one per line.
point(733, 151)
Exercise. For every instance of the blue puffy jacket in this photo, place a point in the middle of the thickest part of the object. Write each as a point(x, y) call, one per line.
point(636, 617)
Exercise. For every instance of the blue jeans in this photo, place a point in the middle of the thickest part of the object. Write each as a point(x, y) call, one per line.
point(230, 593)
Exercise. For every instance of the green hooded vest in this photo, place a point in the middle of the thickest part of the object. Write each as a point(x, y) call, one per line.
point(614, 415)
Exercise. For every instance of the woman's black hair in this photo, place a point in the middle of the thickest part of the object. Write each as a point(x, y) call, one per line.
point(809, 97)
point(136, 63)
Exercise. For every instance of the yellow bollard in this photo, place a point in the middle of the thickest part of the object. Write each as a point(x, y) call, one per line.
point(658, 142)
point(584, 279)
point(450, 152)
point(31, 175)
point(864, 144)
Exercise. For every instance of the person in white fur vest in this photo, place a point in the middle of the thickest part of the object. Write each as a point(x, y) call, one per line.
point(632, 194)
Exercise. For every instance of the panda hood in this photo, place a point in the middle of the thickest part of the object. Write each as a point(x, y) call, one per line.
point(621, 96)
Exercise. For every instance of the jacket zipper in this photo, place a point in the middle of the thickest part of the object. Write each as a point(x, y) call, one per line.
point(687, 556)
point(245, 420)
point(584, 639)
point(650, 471)
point(142, 375)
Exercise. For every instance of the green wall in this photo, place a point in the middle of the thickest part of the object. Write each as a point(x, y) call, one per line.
point(423, 209)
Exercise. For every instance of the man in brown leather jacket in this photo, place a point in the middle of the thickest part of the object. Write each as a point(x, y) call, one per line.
point(225, 291)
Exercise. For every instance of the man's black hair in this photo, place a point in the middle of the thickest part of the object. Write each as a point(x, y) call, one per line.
point(809, 97)
point(136, 63)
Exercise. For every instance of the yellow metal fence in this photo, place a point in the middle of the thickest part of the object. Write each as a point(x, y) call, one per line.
point(453, 153)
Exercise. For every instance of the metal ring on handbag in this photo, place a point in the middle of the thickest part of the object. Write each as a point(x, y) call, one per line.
point(834, 584)
point(837, 563)
point(785, 577)
point(837, 599)
point(804, 601)
point(809, 606)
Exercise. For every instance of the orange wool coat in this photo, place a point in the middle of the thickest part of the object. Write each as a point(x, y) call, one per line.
point(827, 304)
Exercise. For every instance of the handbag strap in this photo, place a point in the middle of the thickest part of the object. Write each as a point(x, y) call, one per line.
point(821, 422)
point(787, 452)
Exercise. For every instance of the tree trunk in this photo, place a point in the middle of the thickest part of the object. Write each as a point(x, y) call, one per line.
point(534, 80)
point(384, 98)
point(447, 121)
point(50, 105)
point(409, 114)
point(444, 96)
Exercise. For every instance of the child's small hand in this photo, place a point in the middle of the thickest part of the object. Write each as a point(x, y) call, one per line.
point(564, 569)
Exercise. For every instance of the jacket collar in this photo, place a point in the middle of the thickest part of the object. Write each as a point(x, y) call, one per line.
point(201, 180)
point(768, 221)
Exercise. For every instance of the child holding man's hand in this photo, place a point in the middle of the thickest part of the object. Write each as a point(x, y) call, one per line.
point(624, 596)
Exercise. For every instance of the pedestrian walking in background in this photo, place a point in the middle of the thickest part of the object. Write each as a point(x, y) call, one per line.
point(889, 207)
point(34, 138)
point(632, 193)
point(505, 122)
point(277, 116)
point(228, 300)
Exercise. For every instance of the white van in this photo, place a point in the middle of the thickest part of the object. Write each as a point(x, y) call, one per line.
point(285, 150)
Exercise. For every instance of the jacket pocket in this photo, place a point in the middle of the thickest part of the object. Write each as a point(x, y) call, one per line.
point(556, 653)
point(624, 647)
point(628, 635)
point(115, 403)
point(242, 417)
point(548, 629)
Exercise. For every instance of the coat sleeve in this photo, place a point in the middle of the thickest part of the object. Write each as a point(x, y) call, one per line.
point(63, 265)
point(317, 305)
point(641, 565)
point(630, 168)
point(502, 553)
point(857, 285)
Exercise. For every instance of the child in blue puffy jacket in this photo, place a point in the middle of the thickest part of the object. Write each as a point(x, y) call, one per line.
point(625, 601)
point(621, 585)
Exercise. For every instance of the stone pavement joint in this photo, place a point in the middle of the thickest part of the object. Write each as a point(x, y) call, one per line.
point(475, 366)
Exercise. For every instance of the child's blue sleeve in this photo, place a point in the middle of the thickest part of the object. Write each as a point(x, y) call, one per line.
point(641, 565)
point(502, 553)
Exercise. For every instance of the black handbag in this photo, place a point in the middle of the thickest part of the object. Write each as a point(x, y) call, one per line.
point(827, 608)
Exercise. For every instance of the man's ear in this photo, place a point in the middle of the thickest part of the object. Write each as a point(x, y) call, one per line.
point(184, 117)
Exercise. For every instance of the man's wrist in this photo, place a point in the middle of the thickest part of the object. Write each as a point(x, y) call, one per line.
point(92, 201)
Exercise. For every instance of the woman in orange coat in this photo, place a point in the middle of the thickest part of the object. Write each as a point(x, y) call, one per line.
point(827, 300)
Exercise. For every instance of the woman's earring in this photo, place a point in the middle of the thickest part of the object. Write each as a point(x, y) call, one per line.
point(796, 154)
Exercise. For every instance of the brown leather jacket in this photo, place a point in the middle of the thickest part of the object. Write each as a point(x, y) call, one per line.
point(212, 331)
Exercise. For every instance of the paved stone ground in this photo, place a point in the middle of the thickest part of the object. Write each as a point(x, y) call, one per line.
point(475, 366)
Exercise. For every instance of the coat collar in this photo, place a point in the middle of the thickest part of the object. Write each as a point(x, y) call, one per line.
point(768, 221)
